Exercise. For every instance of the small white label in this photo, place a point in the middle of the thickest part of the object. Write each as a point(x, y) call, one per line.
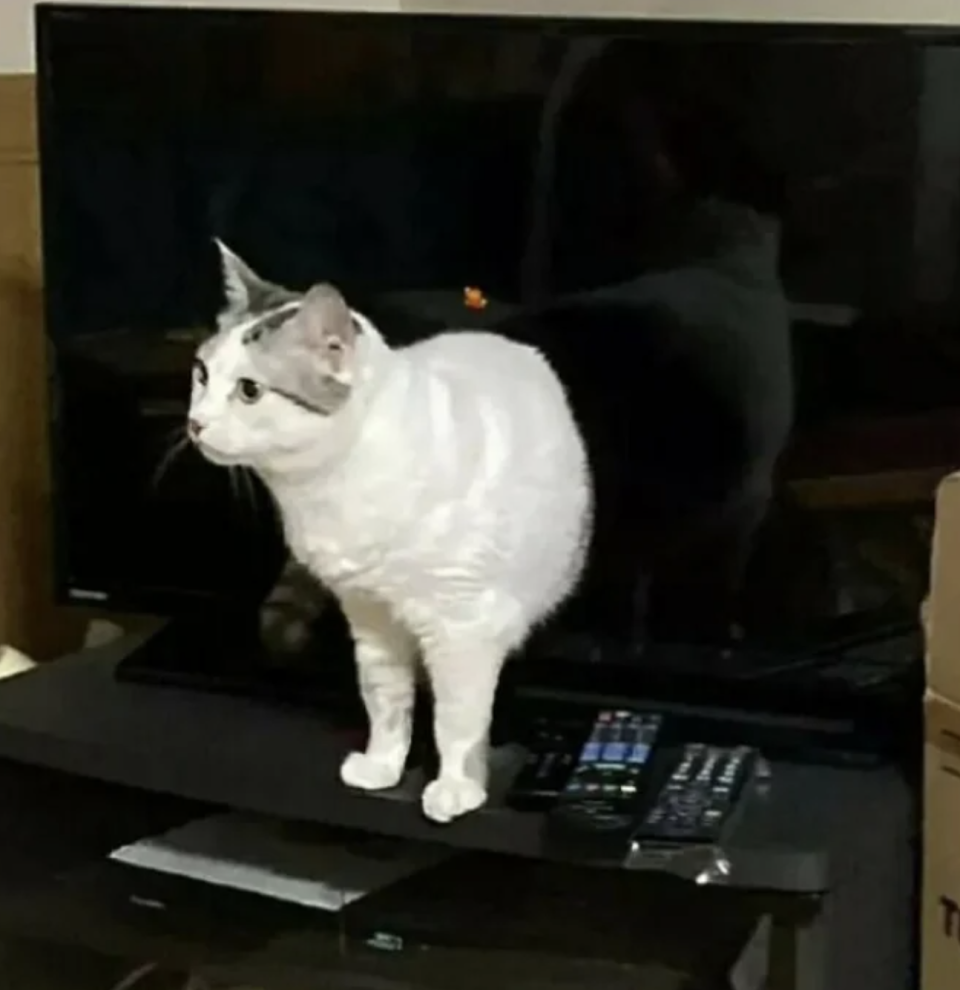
point(82, 595)
point(385, 942)
point(148, 902)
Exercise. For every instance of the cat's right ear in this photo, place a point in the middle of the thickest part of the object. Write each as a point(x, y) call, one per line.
point(244, 290)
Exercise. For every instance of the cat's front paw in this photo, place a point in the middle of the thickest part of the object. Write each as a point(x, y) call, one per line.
point(367, 773)
point(447, 798)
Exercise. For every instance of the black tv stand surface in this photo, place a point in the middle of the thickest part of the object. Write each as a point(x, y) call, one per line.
point(74, 715)
point(785, 697)
point(222, 653)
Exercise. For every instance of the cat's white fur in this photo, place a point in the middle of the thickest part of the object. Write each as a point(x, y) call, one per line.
point(447, 505)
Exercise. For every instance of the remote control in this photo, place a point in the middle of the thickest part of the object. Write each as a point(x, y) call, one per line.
point(597, 809)
point(694, 802)
point(552, 750)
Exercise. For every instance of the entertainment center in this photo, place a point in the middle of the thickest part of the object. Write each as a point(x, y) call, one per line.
point(706, 792)
point(825, 855)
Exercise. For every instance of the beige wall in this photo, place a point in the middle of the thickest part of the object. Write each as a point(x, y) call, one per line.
point(28, 618)
point(16, 16)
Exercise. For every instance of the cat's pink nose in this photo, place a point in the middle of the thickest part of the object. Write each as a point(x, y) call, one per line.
point(194, 429)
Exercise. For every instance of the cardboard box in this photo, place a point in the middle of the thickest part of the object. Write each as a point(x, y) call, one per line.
point(942, 618)
point(941, 847)
point(941, 802)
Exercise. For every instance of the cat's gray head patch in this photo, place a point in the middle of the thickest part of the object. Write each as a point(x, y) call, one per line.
point(307, 352)
point(269, 322)
point(301, 344)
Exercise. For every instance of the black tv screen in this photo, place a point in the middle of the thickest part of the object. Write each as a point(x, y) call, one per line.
point(791, 197)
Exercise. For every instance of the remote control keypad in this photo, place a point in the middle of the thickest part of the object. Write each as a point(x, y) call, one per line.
point(612, 760)
point(694, 802)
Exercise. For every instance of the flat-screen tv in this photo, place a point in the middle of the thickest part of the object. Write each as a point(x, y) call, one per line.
point(768, 217)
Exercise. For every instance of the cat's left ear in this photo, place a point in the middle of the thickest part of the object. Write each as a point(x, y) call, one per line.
point(244, 290)
point(329, 331)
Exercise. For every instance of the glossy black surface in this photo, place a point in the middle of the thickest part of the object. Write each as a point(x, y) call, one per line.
point(715, 234)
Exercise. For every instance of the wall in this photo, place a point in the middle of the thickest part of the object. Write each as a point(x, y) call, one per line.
point(27, 617)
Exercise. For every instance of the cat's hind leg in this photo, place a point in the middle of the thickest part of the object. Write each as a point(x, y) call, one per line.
point(386, 668)
point(463, 676)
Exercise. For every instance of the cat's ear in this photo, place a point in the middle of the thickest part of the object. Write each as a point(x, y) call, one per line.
point(244, 290)
point(239, 279)
point(329, 331)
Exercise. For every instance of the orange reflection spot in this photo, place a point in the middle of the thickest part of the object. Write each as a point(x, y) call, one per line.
point(474, 298)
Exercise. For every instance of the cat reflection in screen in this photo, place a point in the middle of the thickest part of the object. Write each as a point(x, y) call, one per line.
point(441, 492)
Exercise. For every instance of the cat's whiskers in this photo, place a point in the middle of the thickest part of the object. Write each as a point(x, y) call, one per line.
point(179, 442)
point(241, 488)
point(249, 487)
point(234, 483)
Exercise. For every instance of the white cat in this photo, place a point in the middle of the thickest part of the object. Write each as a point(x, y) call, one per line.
point(440, 491)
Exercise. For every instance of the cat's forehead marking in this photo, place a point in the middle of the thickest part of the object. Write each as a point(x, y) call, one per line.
point(252, 330)
point(228, 349)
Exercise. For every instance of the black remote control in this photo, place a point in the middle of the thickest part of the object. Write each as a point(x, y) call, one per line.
point(597, 809)
point(551, 756)
point(695, 801)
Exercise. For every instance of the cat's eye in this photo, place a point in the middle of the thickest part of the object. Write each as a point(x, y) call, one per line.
point(200, 373)
point(249, 390)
